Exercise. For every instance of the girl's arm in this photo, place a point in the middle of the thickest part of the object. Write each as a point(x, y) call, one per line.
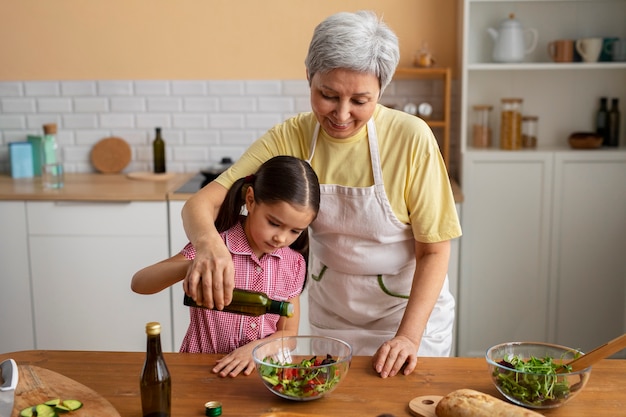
point(240, 360)
point(161, 275)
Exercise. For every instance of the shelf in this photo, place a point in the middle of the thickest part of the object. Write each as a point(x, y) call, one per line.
point(547, 66)
point(445, 75)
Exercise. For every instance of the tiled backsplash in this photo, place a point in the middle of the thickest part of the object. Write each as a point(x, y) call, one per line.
point(202, 121)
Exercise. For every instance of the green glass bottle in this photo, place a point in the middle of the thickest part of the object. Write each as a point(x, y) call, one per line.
point(155, 383)
point(158, 149)
point(251, 303)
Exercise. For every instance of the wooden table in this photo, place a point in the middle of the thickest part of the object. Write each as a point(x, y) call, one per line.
point(115, 375)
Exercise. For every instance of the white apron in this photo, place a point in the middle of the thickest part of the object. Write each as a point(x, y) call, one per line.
point(362, 262)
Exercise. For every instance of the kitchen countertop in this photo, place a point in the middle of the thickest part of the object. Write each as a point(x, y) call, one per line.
point(110, 187)
point(91, 187)
point(115, 376)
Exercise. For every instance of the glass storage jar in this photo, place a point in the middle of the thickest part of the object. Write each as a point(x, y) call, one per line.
point(481, 129)
point(511, 124)
point(529, 131)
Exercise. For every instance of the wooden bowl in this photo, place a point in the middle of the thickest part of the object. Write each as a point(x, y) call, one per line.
point(585, 140)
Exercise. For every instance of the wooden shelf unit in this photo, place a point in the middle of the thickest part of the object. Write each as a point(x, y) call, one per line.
point(445, 75)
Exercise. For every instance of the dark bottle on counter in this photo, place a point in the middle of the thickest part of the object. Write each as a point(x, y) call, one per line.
point(613, 124)
point(251, 303)
point(155, 383)
point(158, 150)
point(602, 120)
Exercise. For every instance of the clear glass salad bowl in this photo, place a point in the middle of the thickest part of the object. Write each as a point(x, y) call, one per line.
point(529, 373)
point(302, 368)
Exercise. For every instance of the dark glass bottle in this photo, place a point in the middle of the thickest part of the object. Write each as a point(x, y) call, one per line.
point(613, 124)
point(155, 383)
point(602, 121)
point(158, 149)
point(251, 303)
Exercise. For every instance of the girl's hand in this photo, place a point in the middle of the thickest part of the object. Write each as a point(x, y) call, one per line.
point(395, 354)
point(238, 361)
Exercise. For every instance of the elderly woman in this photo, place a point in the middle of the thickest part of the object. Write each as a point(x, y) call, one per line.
point(380, 245)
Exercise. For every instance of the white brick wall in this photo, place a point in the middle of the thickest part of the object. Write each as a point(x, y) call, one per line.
point(202, 121)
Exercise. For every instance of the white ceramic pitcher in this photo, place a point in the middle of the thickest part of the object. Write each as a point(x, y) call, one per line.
point(510, 41)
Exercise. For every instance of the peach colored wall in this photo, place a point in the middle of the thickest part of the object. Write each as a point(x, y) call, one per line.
point(195, 39)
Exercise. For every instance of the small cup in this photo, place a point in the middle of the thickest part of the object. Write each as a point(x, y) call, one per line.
point(589, 48)
point(606, 55)
point(561, 50)
point(52, 175)
point(618, 50)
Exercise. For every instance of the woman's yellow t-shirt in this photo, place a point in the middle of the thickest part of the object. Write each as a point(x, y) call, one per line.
point(414, 174)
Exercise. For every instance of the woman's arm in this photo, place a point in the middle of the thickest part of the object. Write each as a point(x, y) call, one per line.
point(161, 275)
point(240, 359)
point(430, 273)
point(210, 278)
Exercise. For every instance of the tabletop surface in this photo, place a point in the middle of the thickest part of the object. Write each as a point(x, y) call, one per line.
point(115, 376)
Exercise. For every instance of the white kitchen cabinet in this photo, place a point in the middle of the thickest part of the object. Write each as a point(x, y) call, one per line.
point(543, 248)
point(588, 271)
point(503, 286)
point(82, 258)
point(16, 309)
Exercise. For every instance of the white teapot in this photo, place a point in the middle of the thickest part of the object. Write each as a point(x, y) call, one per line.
point(510, 41)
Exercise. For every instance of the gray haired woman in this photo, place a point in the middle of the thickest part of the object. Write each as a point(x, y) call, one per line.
point(380, 245)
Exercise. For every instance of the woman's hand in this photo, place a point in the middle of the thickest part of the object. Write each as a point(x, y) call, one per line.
point(238, 361)
point(210, 278)
point(395, 354)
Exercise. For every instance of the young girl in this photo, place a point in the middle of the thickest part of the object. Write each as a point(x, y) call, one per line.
point(267, 247)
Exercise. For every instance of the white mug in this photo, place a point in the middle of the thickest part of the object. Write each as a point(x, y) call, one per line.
point(589, 48)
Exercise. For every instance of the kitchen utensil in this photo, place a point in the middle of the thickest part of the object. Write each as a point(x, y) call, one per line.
point(284, 365)
point(589, 48)
point(110, 155)
point(599, 353)
point(510, 40)
point(585, 140)
point(8, 382)
point(466, 402)
point(215, 170)
point(150, 176)
point(561, 50)
point(618, 50)
point(424, 405)
point(525, 373)
point(37, 385)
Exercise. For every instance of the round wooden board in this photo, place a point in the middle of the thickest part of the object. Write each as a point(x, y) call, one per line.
point(110, 155)
point(37, 385)
point(424, 406)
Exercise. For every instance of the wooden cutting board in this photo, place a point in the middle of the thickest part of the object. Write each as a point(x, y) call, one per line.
point(37, 385)
point(151, 176)
point(425, 405)
point(111, 155)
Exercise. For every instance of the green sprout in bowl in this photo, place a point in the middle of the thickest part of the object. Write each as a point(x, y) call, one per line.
point(535, 381)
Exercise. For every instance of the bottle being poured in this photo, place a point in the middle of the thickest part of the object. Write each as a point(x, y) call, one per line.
point(251, 303)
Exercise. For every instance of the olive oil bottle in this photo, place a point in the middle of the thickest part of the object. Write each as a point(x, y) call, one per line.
point(158, 149)
point(155, 383)
point(251, 303)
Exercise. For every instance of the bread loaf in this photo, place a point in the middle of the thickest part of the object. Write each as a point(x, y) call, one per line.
point(470, 403)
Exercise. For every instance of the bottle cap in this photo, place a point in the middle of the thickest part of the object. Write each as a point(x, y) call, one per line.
point(213, 408)
point(50, 129)
point(289, 310)
point(153, 328)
